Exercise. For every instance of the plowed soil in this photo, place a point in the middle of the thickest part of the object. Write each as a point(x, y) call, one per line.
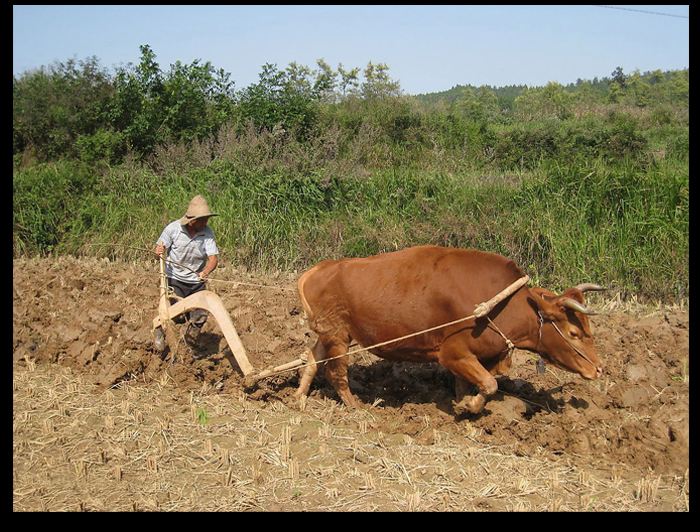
point(98, 413)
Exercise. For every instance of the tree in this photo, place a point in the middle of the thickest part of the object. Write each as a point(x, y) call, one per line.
point(551, 101)
point(349, 82)
point(618, 76)
point(53, 106)
point(299, 78)
point(188, 102)
point(136, 108)
point(637, 90)
point(276, 100)
point(377, 82)
point(479, 105)
point(325, 83)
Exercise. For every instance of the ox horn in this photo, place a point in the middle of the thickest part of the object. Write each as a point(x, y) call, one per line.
point(575, 305)
point(585, 287)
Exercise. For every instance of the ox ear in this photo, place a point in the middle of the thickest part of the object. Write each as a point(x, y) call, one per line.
point(547, 304)
point(574, 293)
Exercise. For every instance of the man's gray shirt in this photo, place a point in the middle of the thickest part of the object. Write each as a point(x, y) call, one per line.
point(185, 251)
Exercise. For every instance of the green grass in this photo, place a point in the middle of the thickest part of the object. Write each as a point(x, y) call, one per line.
point(623, 225)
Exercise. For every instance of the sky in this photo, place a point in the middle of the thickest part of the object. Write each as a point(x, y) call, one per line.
point(427, 48)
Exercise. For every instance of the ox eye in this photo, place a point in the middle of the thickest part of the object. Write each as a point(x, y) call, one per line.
point(574, 334)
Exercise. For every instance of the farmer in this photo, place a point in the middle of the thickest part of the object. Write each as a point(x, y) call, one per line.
point(192, 256)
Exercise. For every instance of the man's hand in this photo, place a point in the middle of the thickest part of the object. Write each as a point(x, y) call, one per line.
point(159, 249)
point(209, 267)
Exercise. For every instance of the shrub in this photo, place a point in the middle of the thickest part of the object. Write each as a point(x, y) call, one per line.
point(104, 145)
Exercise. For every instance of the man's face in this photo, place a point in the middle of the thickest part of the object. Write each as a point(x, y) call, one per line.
point(199, 224)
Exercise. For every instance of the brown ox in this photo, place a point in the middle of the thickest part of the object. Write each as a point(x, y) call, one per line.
point(387, 296)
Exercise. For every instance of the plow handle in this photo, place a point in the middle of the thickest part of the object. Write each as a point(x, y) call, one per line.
point(164, 303)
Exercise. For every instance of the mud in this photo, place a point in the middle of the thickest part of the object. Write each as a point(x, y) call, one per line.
point(95, 316)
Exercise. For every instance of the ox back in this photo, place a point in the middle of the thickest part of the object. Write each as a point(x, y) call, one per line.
point(379, 298)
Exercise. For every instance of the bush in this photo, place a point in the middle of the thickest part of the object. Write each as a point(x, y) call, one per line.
point(526, 145)
point(624, 139)
point(52, 106)
point(104, 145)
point(46, 198)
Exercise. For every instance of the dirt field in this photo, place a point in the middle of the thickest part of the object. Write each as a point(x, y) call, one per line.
point(103, 422)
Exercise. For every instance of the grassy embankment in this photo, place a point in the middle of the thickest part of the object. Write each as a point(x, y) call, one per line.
point(621, 223)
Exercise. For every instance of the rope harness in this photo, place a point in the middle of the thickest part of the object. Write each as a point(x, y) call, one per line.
point(576, 349)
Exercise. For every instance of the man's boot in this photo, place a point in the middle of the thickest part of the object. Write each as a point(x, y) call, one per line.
point(159, 339)
point(192, 334)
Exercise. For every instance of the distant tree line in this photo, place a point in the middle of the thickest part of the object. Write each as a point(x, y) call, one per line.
point(638, 89)
point(78, 109)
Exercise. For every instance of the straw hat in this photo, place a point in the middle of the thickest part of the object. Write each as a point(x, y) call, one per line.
point(198, 208)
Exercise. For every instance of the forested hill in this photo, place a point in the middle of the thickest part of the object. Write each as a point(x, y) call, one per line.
point(507, 94)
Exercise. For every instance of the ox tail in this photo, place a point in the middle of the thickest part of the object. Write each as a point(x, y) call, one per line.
point(300, 288)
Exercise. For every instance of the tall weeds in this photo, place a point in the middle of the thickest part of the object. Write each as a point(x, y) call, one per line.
point(619, 220)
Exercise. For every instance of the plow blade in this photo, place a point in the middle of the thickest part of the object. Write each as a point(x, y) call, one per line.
point(212, 303)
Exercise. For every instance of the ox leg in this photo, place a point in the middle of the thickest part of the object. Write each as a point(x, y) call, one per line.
point(468, 370)
point(316, 354)
point(501, 366)
point(337, 374)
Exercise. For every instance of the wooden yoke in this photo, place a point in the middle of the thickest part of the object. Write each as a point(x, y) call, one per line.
point(482, 309)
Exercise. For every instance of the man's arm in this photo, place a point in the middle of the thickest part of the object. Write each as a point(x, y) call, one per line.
point(212, 263)
point(164, 242)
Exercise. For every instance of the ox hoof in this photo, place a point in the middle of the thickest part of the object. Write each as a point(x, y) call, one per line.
point(469, 405)
point(296, 402)
point(299, 397)
point(353, 402)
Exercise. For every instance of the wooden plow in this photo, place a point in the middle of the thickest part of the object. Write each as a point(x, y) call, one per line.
point(211, 302)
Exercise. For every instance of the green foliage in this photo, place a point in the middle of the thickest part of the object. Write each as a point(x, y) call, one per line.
point(377, 83)
point(103, 145)
point(587, 182)
point(526, 145)
point(52, 106)
point(47, 205)
point(678, 146)
point(621, 224)
point(151, 107)
point(505, 95)
point(551, 101)
point(279, 99)
point(480, 105)
point(618, 77)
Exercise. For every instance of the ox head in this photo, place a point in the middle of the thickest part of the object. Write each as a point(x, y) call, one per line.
point(565, 337)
